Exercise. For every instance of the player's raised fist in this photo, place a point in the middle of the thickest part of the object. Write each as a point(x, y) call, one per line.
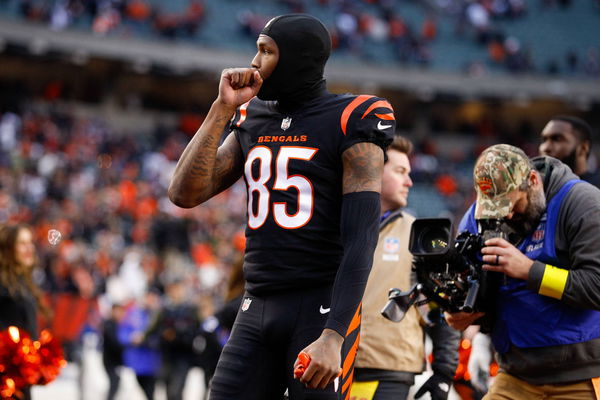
point(238, 85)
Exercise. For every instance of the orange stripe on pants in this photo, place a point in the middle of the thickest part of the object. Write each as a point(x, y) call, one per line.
point(350, 348)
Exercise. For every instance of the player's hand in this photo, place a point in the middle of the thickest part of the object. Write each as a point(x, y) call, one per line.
point(238, 85)
point(501, 256)
point(325, 360)
point(461, 320)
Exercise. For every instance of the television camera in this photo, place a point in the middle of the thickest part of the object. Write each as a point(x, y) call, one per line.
point(449, 271)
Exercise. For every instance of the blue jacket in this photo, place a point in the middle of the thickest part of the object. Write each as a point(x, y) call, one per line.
point(143, 359)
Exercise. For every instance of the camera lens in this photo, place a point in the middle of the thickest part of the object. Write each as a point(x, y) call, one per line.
point(434, 240)
point(436, 245)
point(430, 237)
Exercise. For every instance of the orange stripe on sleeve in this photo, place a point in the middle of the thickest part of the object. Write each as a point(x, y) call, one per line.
point(243, 112)
point(378, 104)
point(350, 108)
point(388, 117)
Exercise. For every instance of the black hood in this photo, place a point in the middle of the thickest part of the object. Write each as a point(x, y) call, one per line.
point(304, 47)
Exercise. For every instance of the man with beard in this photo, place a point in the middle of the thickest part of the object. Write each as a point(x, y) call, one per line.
point(312, 162)
point(546, 309)
point(569, 139)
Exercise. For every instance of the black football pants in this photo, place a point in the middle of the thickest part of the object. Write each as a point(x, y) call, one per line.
point(269, 331)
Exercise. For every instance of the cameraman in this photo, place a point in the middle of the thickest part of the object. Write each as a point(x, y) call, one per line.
point(545, 318)
point(390, 354)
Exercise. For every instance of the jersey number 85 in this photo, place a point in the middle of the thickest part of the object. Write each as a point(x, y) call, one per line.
point(283, 181)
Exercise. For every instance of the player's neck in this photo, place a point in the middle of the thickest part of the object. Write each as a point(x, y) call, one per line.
point(297, 100)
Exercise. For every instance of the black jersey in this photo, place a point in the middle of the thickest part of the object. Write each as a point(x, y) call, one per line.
point(293, 171)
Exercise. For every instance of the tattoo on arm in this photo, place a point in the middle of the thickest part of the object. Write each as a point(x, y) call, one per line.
point(204, 161)
point(229, 164)
point(218, 170)
point(205, 168)
point(201, 164)
point(363, 167)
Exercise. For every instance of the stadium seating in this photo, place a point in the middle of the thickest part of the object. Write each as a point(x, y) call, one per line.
point(541, 35)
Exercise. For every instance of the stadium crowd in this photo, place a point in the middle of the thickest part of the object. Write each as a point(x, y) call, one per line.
point(106, 233)
point(366, 30)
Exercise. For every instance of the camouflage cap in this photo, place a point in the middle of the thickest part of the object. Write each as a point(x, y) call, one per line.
point(499, 170)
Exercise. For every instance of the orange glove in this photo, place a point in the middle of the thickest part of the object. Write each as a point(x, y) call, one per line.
point(303, 362)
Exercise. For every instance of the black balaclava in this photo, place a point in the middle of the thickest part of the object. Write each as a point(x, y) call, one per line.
point(304, 47)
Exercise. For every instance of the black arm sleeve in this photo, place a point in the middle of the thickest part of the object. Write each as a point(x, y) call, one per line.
point(360, 228)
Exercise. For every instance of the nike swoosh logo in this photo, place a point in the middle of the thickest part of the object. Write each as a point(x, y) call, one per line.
point(381, 126)
point(324, 310)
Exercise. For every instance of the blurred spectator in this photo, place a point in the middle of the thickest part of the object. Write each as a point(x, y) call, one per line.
point(177, 325)
point(10, 125)
point(479, 18)
point(346, 27)
point(107, 19)
point(251, 23)
point(569, 139)
point(140, 351)
point(496, 51)
point(112, 349)
point(233, 297)
point(429, 29)
point(59, 18)
point(517, 56)
point(592, 62)
point(20, 297)
point(137, 10)
point(193, 17)
point(216, 328)
point(572, 61)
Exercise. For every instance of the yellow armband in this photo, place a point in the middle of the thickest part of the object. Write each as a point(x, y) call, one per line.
point(553, 281)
